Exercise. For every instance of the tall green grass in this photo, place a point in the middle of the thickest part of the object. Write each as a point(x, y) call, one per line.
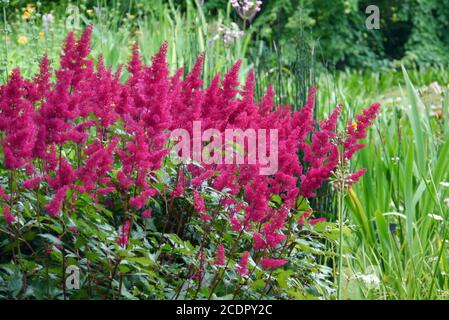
point(186, 31)
point(398, 208)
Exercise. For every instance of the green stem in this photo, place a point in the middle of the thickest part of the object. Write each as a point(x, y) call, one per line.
point(341, 195)
point(5, 30)
point(220, 274)
point(340, 249)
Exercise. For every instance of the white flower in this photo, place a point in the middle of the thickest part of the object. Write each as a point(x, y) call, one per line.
point(47, 21)
point(444, 184)
point(247, 9)
point(435, 216)
point(229, 34)
point(371, 280)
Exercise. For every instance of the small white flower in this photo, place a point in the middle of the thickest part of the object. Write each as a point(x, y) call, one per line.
point(435, 216)
point(444, 184)
point(371, 280)
point(47, 21)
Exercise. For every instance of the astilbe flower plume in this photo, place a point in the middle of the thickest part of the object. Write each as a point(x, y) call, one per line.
point(9, 218)
point(242, 266)
point(123, 237)
point(268, 263)
point(220, 256)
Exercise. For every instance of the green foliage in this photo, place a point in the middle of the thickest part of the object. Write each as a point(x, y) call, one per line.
point(161, 256)
point(412, 31)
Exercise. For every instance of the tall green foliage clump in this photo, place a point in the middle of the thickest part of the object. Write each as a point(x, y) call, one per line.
point(411, 31)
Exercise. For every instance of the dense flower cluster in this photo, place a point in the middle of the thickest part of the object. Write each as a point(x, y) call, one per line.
point(247, 9)
point(88, 133)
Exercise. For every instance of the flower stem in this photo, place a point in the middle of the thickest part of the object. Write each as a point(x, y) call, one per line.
point(5, 31)
point(341, 190)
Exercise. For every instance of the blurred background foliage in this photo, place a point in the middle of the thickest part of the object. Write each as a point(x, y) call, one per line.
point(412, 32)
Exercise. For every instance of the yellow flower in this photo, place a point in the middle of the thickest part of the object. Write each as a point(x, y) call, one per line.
point(28, 11)
point(42, 35)
point(90, 12)
point(31, 7)
point(22, 40)
point(354, 126)
point(26, 15)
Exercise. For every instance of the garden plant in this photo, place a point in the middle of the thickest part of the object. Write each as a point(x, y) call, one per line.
point(171, 150)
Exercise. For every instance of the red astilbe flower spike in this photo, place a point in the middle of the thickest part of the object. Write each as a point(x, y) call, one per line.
point(135, 66)
point(125, 229)
point(258, 242)
point(358, 131)
point(32, 183)
point(74, 59)
point(9, 218)
point(55, 205)
point(242, 267)
point(198, 204)
point(41, 83)
point(353, 178)
point(269, 263)
point(16, 122)
point(220, 256)
point(3, 195)
point(147, 214)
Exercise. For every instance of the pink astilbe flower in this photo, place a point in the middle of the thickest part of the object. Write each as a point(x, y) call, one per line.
point(258, 242)
point(269, 263)
point(123, 180)
point(179, 190)
point(139, 201)
point(357, 130)
point(147, 214)
point(354, 177)
point(16, 121)
point(98, 165)
point(317, 220)
point(9, 218)
point(41, 84)
point(305, 217)
point(198, 204)
point(135, 66)
point(220, 256)
point(236, 223)
point(32, 183)
point(54, 207)
point(107, 190)
point(199, 270)
point(242, 267)
point(3, 195)
point(74, 57)
point(125, 229)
